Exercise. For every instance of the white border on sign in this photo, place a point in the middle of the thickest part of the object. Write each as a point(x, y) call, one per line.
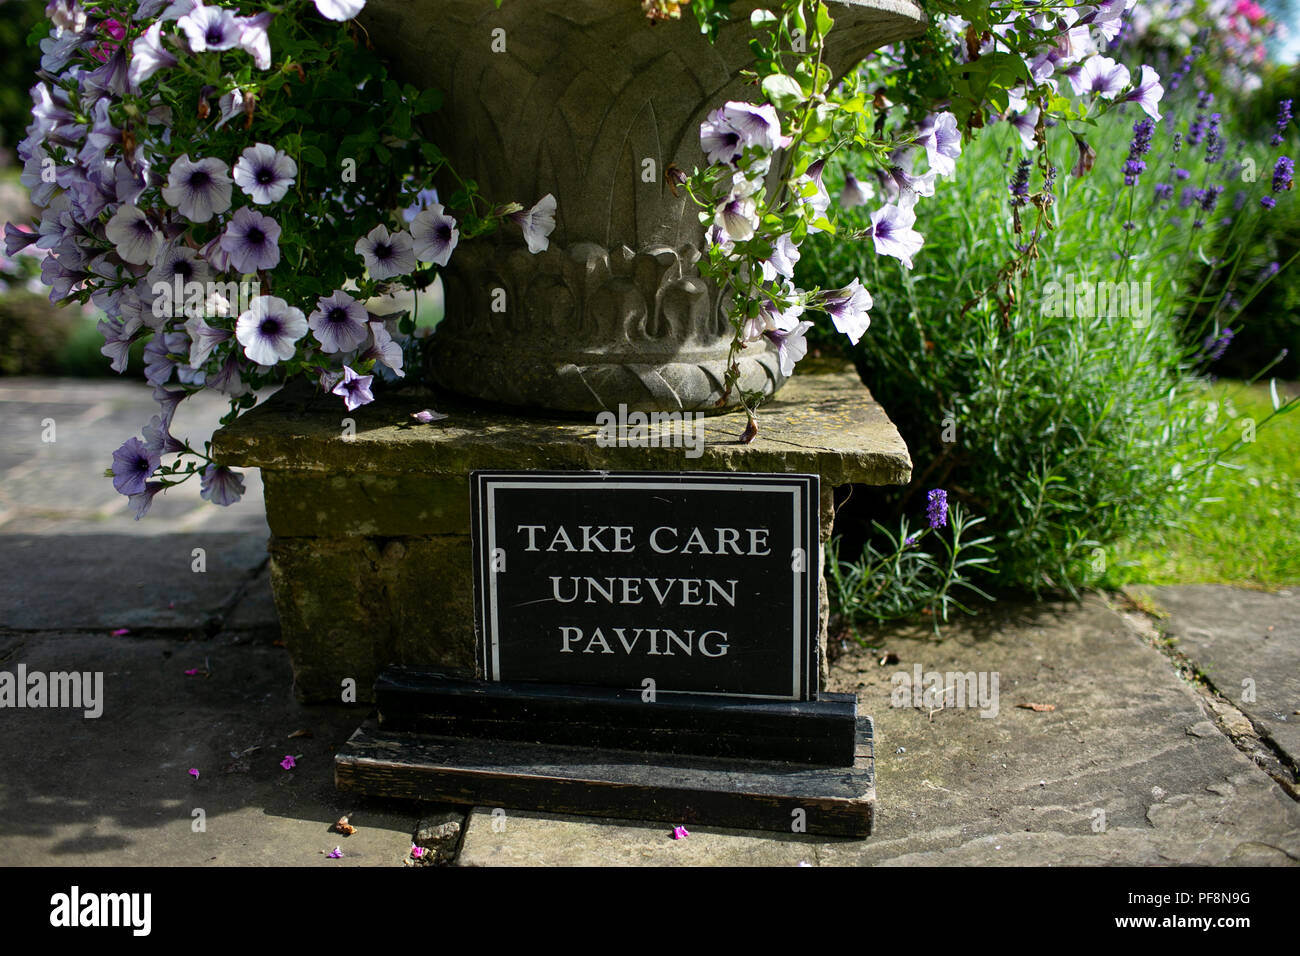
point(796, 488)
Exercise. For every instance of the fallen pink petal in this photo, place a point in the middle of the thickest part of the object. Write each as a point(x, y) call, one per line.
point(335, 853)
point(417, 851)
point(191, 672)
point(194, 772)
point(428, 415)
point(120, 631)
point(680, 833)
point(288, 763)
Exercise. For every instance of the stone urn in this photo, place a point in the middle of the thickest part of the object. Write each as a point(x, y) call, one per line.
point(590, 102)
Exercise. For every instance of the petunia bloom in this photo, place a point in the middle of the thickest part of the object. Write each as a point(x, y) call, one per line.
point(265, 173)
point(339, 323)
point(221, 485)
point(134, 236)
point(251, 240)
point(848, 309)
point(198, 189)
point(537, 224)
point(893, 235)
point(339, 9)
point(210, 28)
point(434, 235)
point(941, 140)
point(133, 463)
point(269, 330)
point(386, 256)
point(354, 389)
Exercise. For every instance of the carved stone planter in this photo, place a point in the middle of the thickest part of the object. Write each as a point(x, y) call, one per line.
point(588, 101)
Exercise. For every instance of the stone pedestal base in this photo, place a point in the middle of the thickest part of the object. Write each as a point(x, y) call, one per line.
point(369, 511)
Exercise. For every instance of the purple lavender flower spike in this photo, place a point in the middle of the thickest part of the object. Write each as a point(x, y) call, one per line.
point(936, 509)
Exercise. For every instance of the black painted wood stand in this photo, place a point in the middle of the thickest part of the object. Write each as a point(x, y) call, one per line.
point(685, 759)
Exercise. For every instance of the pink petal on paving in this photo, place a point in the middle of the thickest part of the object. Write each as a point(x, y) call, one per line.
point(680, 833)
point(191, 672)
point(194, 772)
point(335, 853)
point(288, 763)
point(120, 631)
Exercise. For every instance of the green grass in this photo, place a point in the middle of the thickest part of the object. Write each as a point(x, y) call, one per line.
point(1247, 537)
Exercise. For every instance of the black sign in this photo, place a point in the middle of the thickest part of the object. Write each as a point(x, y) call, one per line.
point(699, 582)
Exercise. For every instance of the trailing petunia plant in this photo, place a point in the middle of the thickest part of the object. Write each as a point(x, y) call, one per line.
point(907, 110)
point(232, 184)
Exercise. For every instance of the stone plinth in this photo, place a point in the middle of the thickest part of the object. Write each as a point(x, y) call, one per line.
point(370, 549)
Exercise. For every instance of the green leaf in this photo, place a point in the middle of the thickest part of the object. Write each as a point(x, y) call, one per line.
point(783, 91)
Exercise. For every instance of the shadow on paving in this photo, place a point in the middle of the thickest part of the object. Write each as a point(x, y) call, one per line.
point(117, 789)
point(183, 582)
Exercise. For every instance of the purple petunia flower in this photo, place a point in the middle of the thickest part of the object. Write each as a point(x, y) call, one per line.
point(848, 308)
point(936, 509)
point(735, 127)
point(738, 217)
point(198, 189)
point(253, 38)
point(265, 173)
point(204, 339)
point(339, 10)
point(941, 140)
point(134, 236)
point(148, 56)
point(386, 256)
point(855, 193)
point(782, 260)
point(354, 389)
point(434, 235)
point(537, 224)
point(339, 323)
point(893, 235)
point(384, 350)
point(820, 200)
point(269, 330)
point(133, 463)
point(1100, 75)
point(221, 485)
point(158, 439)
point(1147, 93)
point(210, 28)
point(791, 344)
point(139, 503)
point(251, 240)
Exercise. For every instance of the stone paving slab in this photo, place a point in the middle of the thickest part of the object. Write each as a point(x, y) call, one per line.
point(109, 581)
point(116, 789)
point(1247, 643)
point(59, 485)
point(1022, 787)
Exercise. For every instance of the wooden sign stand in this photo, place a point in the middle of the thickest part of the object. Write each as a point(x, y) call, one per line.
point(695, 760)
